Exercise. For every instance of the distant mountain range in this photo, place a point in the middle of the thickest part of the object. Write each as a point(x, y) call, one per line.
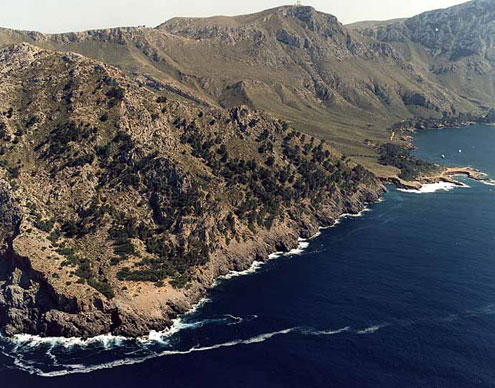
point(343, 83)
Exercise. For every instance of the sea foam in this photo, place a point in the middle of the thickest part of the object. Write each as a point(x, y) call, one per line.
point(370, 330)
point(488, 182)
point(434, 187)
point(69, 369)
point(133, 358)
point(256, 265)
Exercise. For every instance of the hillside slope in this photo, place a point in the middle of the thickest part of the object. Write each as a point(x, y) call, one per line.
point(119, 207)
point(293, 62)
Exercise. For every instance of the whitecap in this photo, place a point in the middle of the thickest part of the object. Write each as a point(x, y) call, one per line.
point(178, 325)
point(303, 245)
point(81, 369)
point(69, 369)
point(255, 266)
point(318, 234)
point(331, 332)
point(236, 320)
point(347, 215)
point(356, 215)
point(154, 337)
point(370, 330)
point(275, 255)
point(33, 341)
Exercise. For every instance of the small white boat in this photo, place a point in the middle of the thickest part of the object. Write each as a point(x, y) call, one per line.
point(443, 156)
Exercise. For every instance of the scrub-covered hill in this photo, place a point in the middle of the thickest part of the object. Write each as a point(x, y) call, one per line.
point(119, 207)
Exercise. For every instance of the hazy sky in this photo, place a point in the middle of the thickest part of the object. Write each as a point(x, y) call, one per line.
point(76, 15)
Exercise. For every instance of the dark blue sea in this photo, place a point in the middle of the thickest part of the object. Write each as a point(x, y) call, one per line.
point(403, 296)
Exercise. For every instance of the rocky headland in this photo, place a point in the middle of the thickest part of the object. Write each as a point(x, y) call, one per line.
point(120, 207)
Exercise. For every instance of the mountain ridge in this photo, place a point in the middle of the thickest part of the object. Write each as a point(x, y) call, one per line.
point(452, 45)
point(294, 62)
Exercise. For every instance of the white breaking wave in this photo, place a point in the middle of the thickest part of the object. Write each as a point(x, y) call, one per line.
point(82, 369)
point(489, 182)
point(69, 369)
point(357, 215)
point(303, 245)
point(108, 342)
point(318, 234)
point(237, 320)
point(332, 332)
point(433, 187)
point(256, 265)
point(275, 255)
point(32, 341)
point(348, 215)
point(371, 330)
point(178, 324)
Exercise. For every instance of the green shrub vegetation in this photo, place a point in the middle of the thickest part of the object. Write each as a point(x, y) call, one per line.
point(409, 166)
point(253, 174)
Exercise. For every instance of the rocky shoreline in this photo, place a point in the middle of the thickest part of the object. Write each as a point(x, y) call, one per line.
point(31, 305)
point(446, 176)
point(462, 120)
point(41, 310)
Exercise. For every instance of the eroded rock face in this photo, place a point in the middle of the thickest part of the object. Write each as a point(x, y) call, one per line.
point(459, 31)
point(454, 32)
point(19, 295)
point(454, 47)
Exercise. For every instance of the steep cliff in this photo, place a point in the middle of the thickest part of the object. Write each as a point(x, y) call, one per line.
point(454, 47)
